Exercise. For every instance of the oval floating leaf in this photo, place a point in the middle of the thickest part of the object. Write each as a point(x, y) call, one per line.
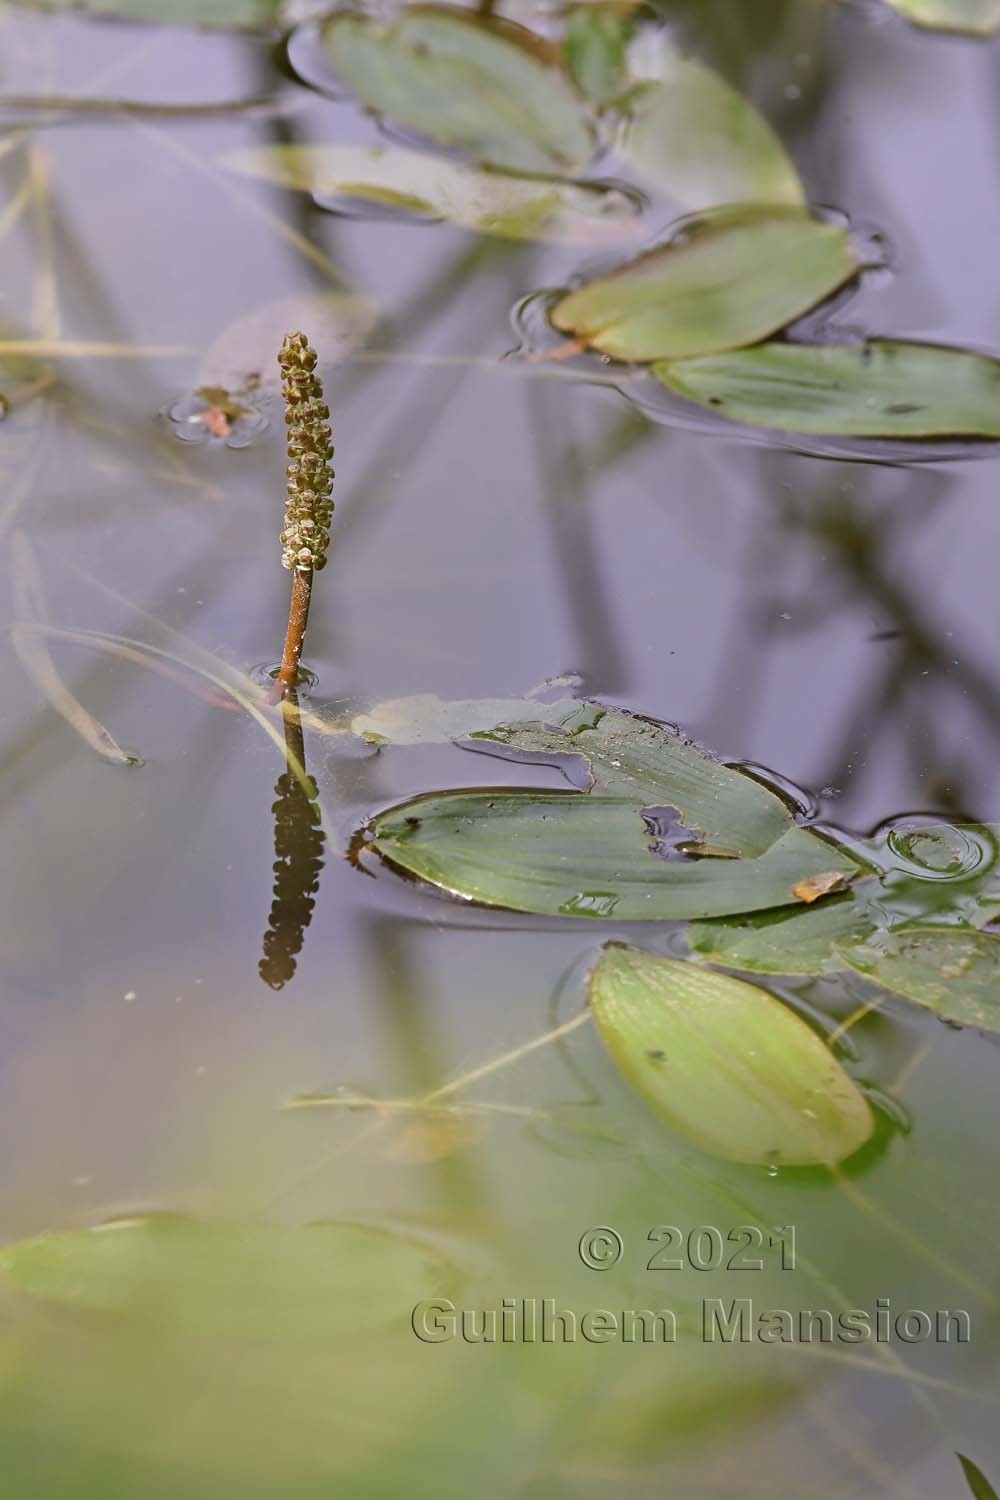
point(703, 143)
point(881, 389)
point(462, 84)
point(516, 208)
point(955, 971)
point(975, 17)
point(725, 1063)
point(574, 854)
point(235, 15)
point(728, 278)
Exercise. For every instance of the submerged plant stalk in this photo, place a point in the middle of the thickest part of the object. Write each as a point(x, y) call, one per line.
point(308, 507)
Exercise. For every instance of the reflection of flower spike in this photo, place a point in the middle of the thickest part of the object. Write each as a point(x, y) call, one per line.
point(298, 859)
point(309, 508)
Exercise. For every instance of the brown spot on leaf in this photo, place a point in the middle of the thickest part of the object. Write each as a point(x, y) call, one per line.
point(818, 885)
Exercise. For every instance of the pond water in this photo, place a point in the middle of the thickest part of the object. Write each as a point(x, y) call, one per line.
point(827, 613)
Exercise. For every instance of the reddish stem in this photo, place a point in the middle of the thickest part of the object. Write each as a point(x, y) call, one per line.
point(298, 615)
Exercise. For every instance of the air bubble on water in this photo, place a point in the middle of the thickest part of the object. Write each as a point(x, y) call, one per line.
point(265, 675)
point(932, 850)
point(590, 904)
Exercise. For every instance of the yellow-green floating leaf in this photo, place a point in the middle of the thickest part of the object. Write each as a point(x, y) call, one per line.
point(699, 140)
point(462, 84)
point(724, 1063)
point(488, 202)
point(728, 278)
point(975, 17)
point(881, 389)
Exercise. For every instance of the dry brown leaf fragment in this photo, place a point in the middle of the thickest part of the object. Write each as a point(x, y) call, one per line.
point(427, 1140)
point(819, 885)
point(216, 421)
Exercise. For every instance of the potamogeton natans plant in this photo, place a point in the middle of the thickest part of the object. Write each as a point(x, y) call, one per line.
point(308, 506)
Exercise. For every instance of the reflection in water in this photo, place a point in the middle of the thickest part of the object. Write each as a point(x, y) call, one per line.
point(298, 856)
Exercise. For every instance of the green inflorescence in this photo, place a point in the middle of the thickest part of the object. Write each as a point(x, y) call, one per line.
point(309, 508)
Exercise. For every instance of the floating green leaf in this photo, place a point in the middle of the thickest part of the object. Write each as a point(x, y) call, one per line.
point(618, 754)
point(725, 1063)
point(880, 389)
point(660, 829)
point(234, 15)
point(488, 202)
point(728, 278)
point(800, 941)
point(975, 17)
point(954, 971)
point(463, 84)
point(703, 143)
point(577, 855)
point(930, 875)
point(596, 41)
